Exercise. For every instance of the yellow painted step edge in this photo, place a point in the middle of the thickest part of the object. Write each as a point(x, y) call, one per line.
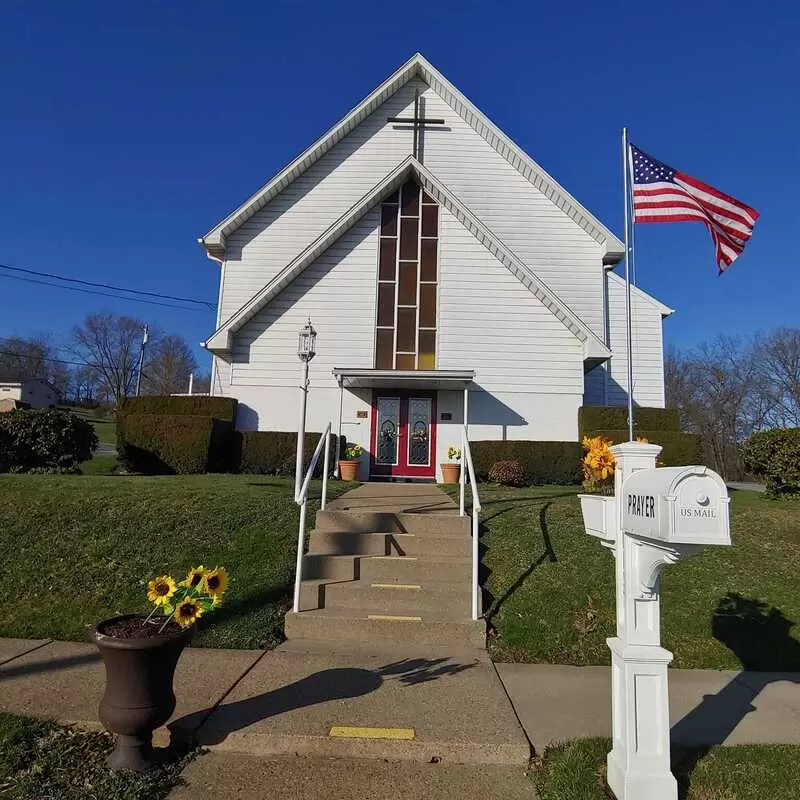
point(349, 732)
point(394, 558)
point(396, 619)
point(395, 586)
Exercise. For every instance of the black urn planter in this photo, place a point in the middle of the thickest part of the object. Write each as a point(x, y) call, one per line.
point(139, 697)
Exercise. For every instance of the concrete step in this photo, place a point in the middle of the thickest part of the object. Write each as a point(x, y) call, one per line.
point(414, 569)
point(451, 704)
point(390, 522)
point(330, 567)
point(358, 627)
point(441, 601)
point(409, 544)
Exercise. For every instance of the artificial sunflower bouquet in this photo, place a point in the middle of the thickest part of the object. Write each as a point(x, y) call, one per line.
point(598, 464)
point(186, 601)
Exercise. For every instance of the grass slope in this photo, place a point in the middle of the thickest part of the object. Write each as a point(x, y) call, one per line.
point(105, 428)
point(79, 548)
point(576, 771)
point(40, 759)
point(551, 587)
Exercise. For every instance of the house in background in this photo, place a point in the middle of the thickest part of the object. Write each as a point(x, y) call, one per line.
point(450, 280)
point(36, 392)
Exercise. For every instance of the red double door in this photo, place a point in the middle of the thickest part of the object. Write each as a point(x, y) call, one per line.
point(403, 435)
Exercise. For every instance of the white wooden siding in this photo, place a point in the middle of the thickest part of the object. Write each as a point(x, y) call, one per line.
point(542, 235)
point(648, 349)
point(338, 292)
point(491, 323)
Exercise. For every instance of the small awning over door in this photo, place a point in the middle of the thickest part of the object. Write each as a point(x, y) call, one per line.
point(404, 379)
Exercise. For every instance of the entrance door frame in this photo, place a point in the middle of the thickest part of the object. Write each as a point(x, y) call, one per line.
point(402, 469)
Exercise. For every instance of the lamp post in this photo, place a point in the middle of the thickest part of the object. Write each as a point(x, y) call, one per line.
point(305, 352)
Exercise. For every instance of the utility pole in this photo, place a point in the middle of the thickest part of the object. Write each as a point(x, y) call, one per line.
point(141, 362)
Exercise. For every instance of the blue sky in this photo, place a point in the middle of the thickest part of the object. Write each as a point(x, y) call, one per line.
point(130, 129)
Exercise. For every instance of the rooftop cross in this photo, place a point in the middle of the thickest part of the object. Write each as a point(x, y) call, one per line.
point(419, 121)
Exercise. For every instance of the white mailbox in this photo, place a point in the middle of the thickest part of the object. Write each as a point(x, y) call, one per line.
point(676, 505)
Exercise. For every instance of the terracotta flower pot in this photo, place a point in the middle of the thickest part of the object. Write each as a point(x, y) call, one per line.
point(139, 696)
point(451, 473)
point(348, 470)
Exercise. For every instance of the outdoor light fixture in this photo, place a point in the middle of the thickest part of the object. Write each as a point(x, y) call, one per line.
point(306, 350)
point(306, 342)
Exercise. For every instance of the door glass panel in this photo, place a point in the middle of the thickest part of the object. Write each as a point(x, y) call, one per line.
point(419, 431)
point(388, 429)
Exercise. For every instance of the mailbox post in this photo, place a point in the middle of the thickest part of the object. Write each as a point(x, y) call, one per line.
point(657, 516)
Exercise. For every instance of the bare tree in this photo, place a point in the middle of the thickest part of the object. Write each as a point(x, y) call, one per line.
point(718, 390)
point(167, 367)
point(110, 345)
point(778, 355)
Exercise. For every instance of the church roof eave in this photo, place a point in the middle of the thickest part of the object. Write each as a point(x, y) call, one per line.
point(222, 339)
point(418, 66)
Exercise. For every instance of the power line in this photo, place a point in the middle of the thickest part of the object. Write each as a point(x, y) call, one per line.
point(143, 292)
point(102, 294)
point(45, 358)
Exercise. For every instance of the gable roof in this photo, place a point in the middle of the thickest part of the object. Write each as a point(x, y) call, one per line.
point(418, 66)
point(665, 310)
point(222, 338)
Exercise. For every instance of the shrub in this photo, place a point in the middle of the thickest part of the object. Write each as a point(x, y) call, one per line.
point(222, 408)
point(615, 418)
point(221, 455)
point(678, 448)
point(542, 462)
point(275, 452)
point(774, 456)
point(44, 440)
point(167, 443)
point(507, 473)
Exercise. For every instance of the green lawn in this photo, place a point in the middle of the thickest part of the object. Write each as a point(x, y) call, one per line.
point(41, 760)
point(576, 771)
point(79, 548)
point(105, 429)
point(552, 587)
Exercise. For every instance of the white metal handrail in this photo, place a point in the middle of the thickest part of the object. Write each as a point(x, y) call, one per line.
point(469, 469)
point(301, 498)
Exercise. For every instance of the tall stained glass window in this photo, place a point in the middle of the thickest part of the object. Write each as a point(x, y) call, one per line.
point(405, 332)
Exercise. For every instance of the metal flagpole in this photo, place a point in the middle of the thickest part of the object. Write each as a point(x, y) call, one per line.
point(628, 280)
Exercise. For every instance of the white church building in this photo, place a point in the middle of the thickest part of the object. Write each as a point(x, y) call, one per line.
point(444, 272)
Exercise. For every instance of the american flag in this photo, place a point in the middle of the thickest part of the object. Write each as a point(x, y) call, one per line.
point(663, 194)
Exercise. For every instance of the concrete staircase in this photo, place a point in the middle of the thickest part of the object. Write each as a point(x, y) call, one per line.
point(391, 564)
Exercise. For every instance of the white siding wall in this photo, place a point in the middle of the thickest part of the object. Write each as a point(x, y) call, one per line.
point(648, 348)
point(338, 292)
point(549, 241)
point(529, 366)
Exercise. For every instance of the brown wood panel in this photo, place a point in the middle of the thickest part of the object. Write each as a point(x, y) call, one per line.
point(386, 304)
point(409, 228)
point(387, 260)
point(407, 289)
point(406, 330)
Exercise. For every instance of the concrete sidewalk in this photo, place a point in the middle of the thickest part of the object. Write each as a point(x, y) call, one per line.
point(707, 707)
point(287, 701)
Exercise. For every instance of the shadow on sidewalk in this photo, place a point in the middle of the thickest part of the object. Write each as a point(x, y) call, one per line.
point(320, 687)
point(9, 671)
point(760, 637)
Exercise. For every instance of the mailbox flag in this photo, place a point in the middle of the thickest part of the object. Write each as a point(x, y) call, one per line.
point(663, 194)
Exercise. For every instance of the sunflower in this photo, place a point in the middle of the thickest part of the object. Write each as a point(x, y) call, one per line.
point(217, 582)
point(161, 589)
point(187, 612)
point(195, 577)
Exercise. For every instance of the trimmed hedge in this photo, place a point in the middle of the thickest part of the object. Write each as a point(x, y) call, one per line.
point(167, 443)
point(678, 448)
point(615, 418)
point(542, 462)
point(774, 456)
point(275, 452)
point(44, 440)
point(222, 408)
